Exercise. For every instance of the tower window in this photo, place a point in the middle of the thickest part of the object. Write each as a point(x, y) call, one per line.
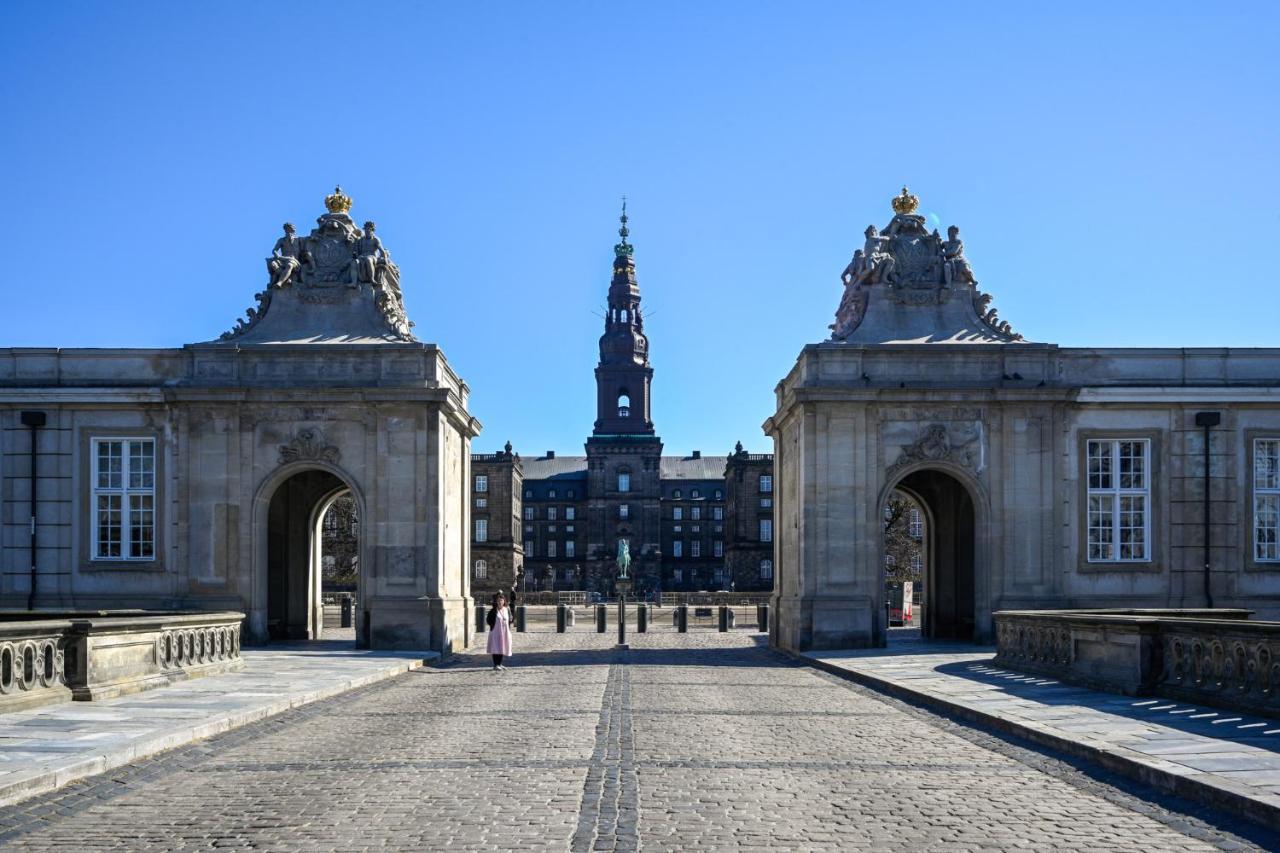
point(624, 316)
point(624, 481)
point(624, 405)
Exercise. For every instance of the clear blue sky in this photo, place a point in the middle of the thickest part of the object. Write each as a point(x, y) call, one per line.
point(1113, 168)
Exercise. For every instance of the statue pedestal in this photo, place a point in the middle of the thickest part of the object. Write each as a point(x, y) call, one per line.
point(622, 586)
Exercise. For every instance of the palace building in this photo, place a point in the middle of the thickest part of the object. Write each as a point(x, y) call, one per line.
point(199, 478)
point(558, 522)
point(1050, 477)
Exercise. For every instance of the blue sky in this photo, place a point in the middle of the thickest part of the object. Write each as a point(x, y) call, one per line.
point(1112, 167)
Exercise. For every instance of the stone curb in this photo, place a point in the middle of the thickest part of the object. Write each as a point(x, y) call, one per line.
point(36, 782)
point(1203, 788)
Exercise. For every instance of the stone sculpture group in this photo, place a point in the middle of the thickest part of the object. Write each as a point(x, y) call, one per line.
point(917, 267)
point(336, 254)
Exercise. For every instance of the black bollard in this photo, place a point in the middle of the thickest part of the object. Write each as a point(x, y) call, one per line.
point(346, 611)
point(682, 618)
point(642, 618)
point(762, 617)
point(481, 625)
point(622, 621)
point(602, 614)
point(520, 618)
point(561, 619)
point(724, 618)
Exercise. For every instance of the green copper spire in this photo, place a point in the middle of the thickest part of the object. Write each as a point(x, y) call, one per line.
point(623, 249)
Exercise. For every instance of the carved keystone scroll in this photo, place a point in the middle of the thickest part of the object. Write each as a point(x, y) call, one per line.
point(309, 443)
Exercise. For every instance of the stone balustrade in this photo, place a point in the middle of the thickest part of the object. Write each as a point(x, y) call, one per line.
point(98, 655)
point(32, 663)
point(1213, 657)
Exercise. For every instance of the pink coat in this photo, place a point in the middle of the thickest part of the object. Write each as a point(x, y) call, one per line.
point(500, 633)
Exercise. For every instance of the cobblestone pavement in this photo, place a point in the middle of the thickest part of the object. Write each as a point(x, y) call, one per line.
point(686, 742)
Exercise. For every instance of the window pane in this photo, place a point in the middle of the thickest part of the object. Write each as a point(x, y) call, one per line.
point(1266, 463)
point(1133, 535)
point(142, 529)
point(142, 464)
point(1266, 529)
point(108, 524)
point(1132, 461)
point(1100, 465)
point(110, 464)
point(1101, 512)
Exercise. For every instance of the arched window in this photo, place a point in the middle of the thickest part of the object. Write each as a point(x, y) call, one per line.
point(624, 480)
point(695, 494)
point(719, 495)
point(624, 405)
point(622, 315)
point(677, 494)
point(482, 569)
point(766, 570)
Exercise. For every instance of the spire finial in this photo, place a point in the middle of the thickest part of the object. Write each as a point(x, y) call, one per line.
point(623, 249)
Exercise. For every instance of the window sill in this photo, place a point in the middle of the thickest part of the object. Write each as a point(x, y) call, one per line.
point(1148, 568)
point(122, 566)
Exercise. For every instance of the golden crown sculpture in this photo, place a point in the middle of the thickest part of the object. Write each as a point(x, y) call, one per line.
point(340, 203)
point(905, 202)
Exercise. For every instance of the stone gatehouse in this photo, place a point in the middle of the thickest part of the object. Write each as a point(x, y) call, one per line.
point(1050, 477)
point(198, 477)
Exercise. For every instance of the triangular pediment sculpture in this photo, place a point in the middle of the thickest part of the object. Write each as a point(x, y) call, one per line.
point(336, 285)
point(909, 285)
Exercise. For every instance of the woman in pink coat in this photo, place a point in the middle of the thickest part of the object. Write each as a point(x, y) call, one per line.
point(499, 631)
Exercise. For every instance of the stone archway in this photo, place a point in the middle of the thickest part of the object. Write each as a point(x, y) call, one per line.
point(288, 528)
point(951, 570)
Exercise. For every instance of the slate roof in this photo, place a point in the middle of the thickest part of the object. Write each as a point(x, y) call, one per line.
point(575, 468)
point(559, 468)
point(688, 468)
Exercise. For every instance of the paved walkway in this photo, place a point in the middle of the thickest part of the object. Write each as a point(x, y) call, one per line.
point(45, 748)
point(1221, 757)
point(686, 742)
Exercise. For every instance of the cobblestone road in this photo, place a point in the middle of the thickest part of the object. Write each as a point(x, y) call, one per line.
point(698, 741)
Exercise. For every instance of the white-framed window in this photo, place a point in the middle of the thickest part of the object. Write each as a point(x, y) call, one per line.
point(915, 526)
point(482, 483)
point(569, 513)
point(124, 498)
point(695, 513)
point(551, 513)
point(766, 503)
point(917, 563)
point(766, 570)
point(677, 513)
point(717, 513)
point(482, 530)
point(719, 576)
point(766, 530)
point(528, 494)
point(528, 513)
point(677, 549)
point(551, 547)
point(482, 569)
point(624, 510)
point(482, 503)
point(1119, 500)
point(568, 528)
point(695, 528)
point(570, 548)
point(695, 494)
point(677, 528)
point(624, 481)
point(569, 494)
point(551, 494)
point(1266, 500)
point(695, 548)
point(677, 575)
point(551, 528)
point(528, 528)
point(766, 483)
point(717, 548)
point(719, 495)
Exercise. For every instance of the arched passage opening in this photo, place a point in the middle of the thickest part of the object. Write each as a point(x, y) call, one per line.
point(948, 536)
point(313, 538)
